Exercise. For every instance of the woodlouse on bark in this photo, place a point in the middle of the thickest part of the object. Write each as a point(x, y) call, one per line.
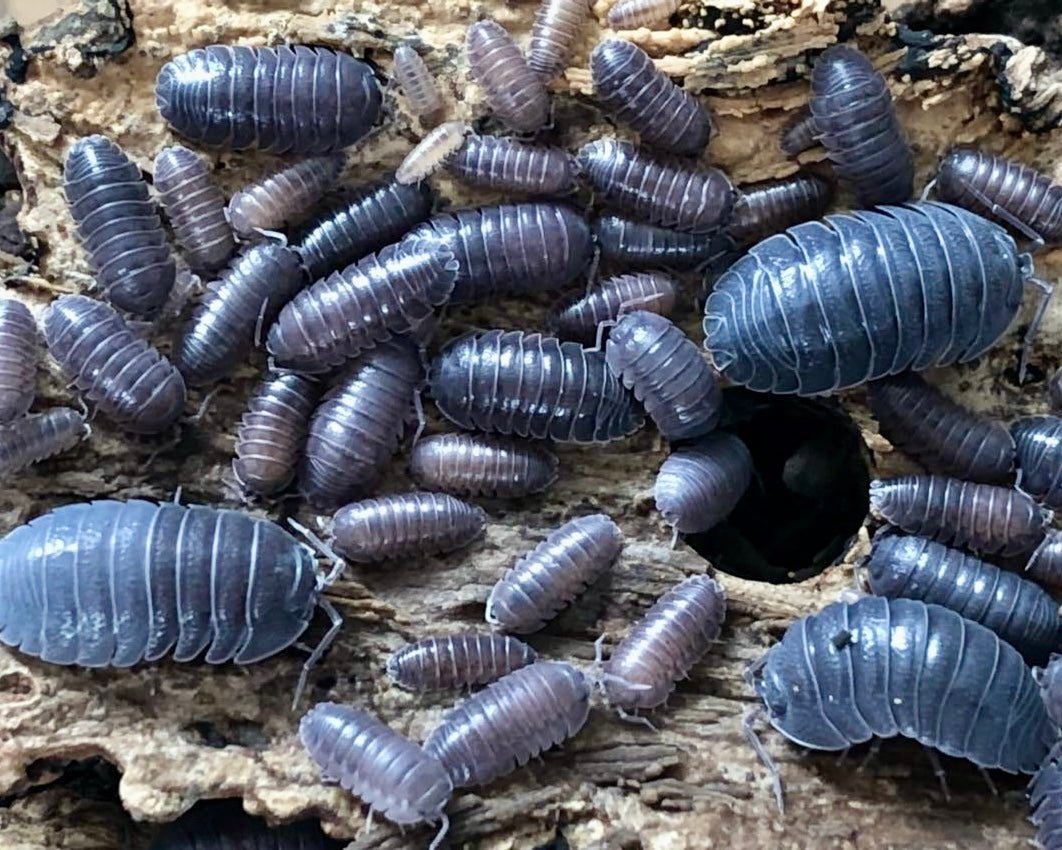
point(770, 206)
point(668, 194)
point(482, 465)
point(433, 152)
point(980, 517)
point(666, 372)
point(942, 435)
point(195, 206)
point(698, 486)
point(223, 825)
point(118, 226)
point(1045, 800)
point(510, 722)
point(799, 133)
point(223, 327)
point(1039, 447)
point(388, 293)
point(457, 661)
point(121, 374)
point(515, 93)
point(228, 96)
point(1016, 609)
point(38, 436)
point(631, 14)
point(508, 165)
point(550, 576)
point(19, 356)
point(511, 382)
point(557, 26)
point(636, 245)
point(1045, 564)
point(283, 197)
point(630, 87)
point(579, 318)
point(405, 525)
point(417, 84)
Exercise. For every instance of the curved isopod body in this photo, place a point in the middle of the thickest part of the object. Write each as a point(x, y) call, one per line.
point(661, 648)
point(508, 165)
point(118, 226)
point(19, 355)
point(799, 133)
point(698, 486)
point(357, 426)
point(1016, 609)
point(665, 370)
point(550, 576)
point(223, 825)
point(557, 25)
point(124, 376)
point(979, 181)
point(284, 197)
point(375, 216)
point(1051, 688)
point(385, 294)
point(247, 296)
point(272, 432)
point(1045, 564)
point(512, 249)
point(457, 661)
point(629, 86)
point(942, 435)
point(634, 244)
point(482, 465)
point(579, 318)
point(38, 436)
point(631, 14)
point(515, 93)
point(405, 525)
point(1039, 447)
point(980, 517)
point(854, 297)
point(511, 382)
point(770, 206)
point(510, 722)
point(856, 122)
point(288, 99)
point(417, 84)
point(195, 207)
point(1045, 800)
point(667, 194)
point(433, 152)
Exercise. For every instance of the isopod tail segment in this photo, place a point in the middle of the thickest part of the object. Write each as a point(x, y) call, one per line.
point(748, 730)
point(597, 677)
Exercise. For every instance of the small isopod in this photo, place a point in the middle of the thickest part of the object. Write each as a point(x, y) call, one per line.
point(38, 436)
point(19, 356)
point(579, 318)
point(634, 244)
point(417, 84)
point(1045, 800)
point(550, 576)
point(284, 197)
point(405, 525)
point(1045, 564)
point(514, 92)
point(1051, 688)
point(1039, 447)
point(510, 722)
point(120, 373)
point(980, 517)
point(457, 661)
point(799, 133)
point(508, 165)
point(433, 152)
point(482, 465)
point(698, 486)
point(557, 26)
point(770, 206)
point(223, 825)
point(631, 14)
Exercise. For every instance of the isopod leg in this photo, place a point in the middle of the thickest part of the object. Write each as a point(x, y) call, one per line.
point(635, 718)
point(762, 754)
point(988, 781)
point(938, 771)
point(929, 188)
point(323, 549)
point(1046, 290)
point(320, 649)
point(444, 827)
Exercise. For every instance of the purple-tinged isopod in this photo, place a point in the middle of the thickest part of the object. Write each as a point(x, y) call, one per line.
point(19, 356)
point(770, 206)
point(557, 26)
point(284, 197)
point(634, 244)
point(508, 165)
point(1039, 447)
point(631, 14)
point(38, 436)
point(515, 93)
point(482, 465)
point(457, 661)
point(433, 152)
point(579, 318)
point(417, 84)
point(698, 486)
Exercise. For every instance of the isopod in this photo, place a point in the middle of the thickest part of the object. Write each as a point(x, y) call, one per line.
point(120, 373)
point(634, 244)
point(457, 661)
point(508, 165)
point(1051, 688)
point(433, 152)
point(195, 207)
point(511, 382)
point(799, 133)
point(631, 14)
point(1039, 447)
point(665, 370)
point(856, 122)
point(698, 486)
point(223, 327)
point(550, 576)
point(939, 433)
point(661, 648)
point(980, 517)
point(1016, 609)
point(482, 465)
point(272, 432)
point(223, 825)
point(19, 356)
point(515, 93)
point(288, 99)
point(33, 438)
point(770, 206)
point(629, 86)
point(284, 197)
point(118, 226)
point(579, 318)
point(1045, 800)
point(557, 26)
point(357, 426)
point(667, 194)
point(388, 293)
point(1045, 565)
point(417, 84)
point(510, 722)
point(405, 525)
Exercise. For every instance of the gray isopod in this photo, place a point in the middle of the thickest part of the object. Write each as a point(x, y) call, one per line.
point(980, 517)
point(629, 86)
point(33, 438)
point(514, 92)
point(699, 485)
point(284, 197)
point(482, 465)
point(118, 226)
point(511, 382)
point(661, 648)
point(223, 825)
point(508, 165)
point(940, 434)
point(433, 152)
point(510, 722)
point(457, 661)
point(770, 206)
point(631, 14)
point(405, 525)
point(634, 244)
point(665, 370)
point(1039, 447)
point(19, 356)
point(550, 576)
point(557, 26)
point(579, 318)
point(1045, 800)
point(124, 376)
point(902, 566)
point(1045, 564)
point(799, 133)
point(417, 84)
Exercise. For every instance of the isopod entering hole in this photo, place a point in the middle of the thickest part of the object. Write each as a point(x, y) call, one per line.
point(808, 497)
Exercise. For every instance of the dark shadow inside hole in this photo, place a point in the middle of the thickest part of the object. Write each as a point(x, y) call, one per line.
point(224, 823)
point(808, 497)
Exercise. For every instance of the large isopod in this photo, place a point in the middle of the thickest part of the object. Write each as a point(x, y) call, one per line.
point(556, 28)
point(417, 84)
point(19, 356)
point(631, 14)
point(636, 245)
point(580, 318)
point(699, 485)
point(457, 661)
point(284, 197)
point(482, 465)
point(433, 152)
point(223, 825)
point(1039, 447)
point(33, 438)
point(515, 93)
point(508, 165)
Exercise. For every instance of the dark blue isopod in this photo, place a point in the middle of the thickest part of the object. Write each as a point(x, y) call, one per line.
point(1039, 442)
